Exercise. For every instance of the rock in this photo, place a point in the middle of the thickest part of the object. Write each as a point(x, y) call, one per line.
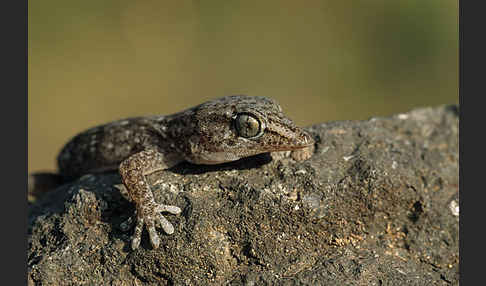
point(376, 204)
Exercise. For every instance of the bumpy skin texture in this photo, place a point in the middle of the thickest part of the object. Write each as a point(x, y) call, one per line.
point(217, 131)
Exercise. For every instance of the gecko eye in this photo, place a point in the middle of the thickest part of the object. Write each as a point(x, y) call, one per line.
point(248, 126)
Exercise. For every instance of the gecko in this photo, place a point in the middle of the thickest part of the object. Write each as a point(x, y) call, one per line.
point(214, 132)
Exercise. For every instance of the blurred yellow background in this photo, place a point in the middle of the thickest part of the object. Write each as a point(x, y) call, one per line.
point(90, 62)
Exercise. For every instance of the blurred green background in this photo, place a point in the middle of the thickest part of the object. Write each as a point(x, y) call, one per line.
point(90, 62)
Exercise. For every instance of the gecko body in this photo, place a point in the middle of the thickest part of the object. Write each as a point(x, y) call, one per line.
point(221, 130)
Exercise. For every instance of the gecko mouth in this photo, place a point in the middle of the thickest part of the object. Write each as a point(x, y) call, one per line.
point(288, 148)
point(302, 140)
point(214, 157)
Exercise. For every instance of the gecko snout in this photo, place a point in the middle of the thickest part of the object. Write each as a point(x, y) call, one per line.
point(302, 139)
point(306, 139)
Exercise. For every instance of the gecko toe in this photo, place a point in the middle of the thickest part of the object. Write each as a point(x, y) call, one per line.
point(154, 237)
point(165, 225)
point(167, 208)
point(135, 243)
point(137, 234)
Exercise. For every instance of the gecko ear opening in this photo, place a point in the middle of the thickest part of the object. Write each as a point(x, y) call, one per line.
point(248, 125)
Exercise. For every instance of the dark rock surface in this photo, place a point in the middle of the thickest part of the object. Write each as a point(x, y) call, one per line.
point(377, 204)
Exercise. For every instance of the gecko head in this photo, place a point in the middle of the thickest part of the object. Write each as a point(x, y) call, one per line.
point(238, 126)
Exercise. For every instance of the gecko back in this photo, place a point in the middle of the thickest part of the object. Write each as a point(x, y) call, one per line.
point(102, 148)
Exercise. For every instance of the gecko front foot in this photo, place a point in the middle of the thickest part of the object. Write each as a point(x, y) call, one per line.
point(151, 216)
point(133, 171)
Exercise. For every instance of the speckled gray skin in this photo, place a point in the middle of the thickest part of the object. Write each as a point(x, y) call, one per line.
point(217, 131)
